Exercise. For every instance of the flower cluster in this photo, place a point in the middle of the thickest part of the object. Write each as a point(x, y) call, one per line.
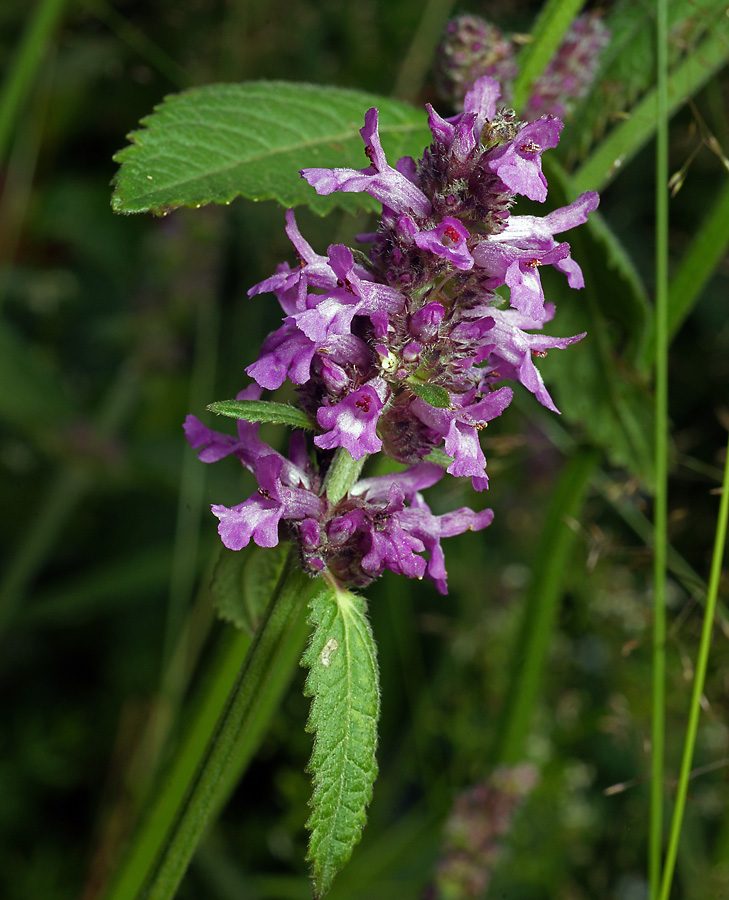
point(476, 831)
point(572, 69)
point(405, 350)
point(472, 47)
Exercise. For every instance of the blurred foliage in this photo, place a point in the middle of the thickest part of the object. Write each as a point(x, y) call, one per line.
point(113, 329)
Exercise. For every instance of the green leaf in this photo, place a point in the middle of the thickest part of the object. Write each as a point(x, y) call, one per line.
point(243, 583)
point(215, 143)
point(263, 411)
point(344, 683)
point(433, 394)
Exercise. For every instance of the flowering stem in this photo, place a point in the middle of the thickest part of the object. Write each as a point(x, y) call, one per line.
point(343, 473)
point(211, 779)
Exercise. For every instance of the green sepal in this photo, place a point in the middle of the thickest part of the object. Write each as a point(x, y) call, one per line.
point(343, 681)
point(439, 457)
point(263, 411)
point(433, 394)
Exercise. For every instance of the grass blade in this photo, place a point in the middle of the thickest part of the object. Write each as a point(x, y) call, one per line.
point(698, 687)
point(661, 458)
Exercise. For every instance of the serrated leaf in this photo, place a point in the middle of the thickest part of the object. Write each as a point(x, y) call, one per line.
point(243, 582)
point(263, 411)
point(344, 683)
point(433, 394)
point(215, 143)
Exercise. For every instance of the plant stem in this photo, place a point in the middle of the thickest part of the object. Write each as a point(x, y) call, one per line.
point(661, 459)
point(160, 879)
point(343, 473)
point(698, 688)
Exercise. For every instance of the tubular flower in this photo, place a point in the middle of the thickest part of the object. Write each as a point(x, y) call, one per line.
point(403, 351)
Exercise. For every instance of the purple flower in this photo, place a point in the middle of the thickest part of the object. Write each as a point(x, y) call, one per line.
point(278, 497)
point(511, 354)
point(287, 352)
point(352, 422)
point(518, 269)
point(430, 529)
point(515, 256)
point(519, 163)
point(449, 240)
point(460, 429)
point(379, 180)
point(405, 526)
point(214, 446)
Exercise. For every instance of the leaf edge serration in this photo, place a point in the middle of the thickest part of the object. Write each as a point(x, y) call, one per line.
point(324, 609)
point(123, 202)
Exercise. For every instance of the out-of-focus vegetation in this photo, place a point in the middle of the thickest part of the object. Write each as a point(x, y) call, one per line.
point(114, 328)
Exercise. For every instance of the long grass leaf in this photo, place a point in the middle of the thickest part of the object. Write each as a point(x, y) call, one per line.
point(624, 141)
point(540, 611)
point(698, 687)
point(661, 458)
point(551, 26)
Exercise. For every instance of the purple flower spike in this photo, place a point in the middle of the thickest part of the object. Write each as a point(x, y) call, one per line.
point(361, 338)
